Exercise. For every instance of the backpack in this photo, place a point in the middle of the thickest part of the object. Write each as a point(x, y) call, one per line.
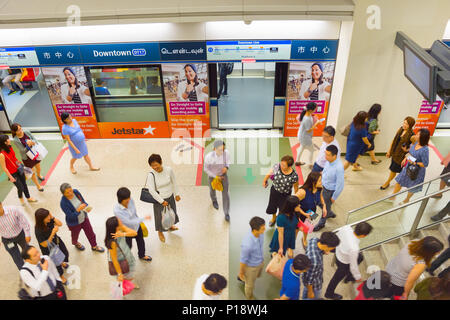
point(24, 293)
point(229, 68)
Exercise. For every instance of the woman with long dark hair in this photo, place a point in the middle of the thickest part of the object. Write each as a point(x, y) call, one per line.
point(372, 128)
point(192, 89)
point(418, 155)
point(357, 141)
point(407, 266)
point(13, 169)
point(45, 230)
point(24, 141)
point(118, 250)
point(305, 132)
point(74, 91)
point(309, 196)
point(399, 148)
point(283, 240)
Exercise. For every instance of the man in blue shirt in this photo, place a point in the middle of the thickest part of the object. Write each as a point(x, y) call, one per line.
point(101, 89)
point(252, 256)
point(332, 184)
point(290, 284)
point(125, 210)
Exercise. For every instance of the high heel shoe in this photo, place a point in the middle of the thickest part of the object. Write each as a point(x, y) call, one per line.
point(384, 188)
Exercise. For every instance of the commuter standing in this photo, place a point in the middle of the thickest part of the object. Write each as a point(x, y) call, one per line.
point(166, 193)
point(77, 141)
point(252, 255)
point(76, 210)
point(125, 210)
point(217, 163)
point(13, 169)
point(209, 287)
point(305, 133)
point(313, 278)
point(399, 148)
point(14, 230)
point(284, 178)
point(332, 184)
point(24, 141)
point(407, 266)
point(357, 141)
point(224, 70)
point(290, 283)
point(348, 257)
point(372, 129)
point(40, 275)
point(328, 139)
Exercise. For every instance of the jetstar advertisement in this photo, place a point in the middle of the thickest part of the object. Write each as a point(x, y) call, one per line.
point(428, 116)
point(308, 82)
point(187, 97)
point(120, 130)
point(69, 92)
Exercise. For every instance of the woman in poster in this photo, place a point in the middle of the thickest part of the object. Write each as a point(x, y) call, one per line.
point(73, 91)
point(315, 88)
point(192, 89)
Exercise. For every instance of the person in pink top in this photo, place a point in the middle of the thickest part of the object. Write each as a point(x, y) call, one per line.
point(445, 181)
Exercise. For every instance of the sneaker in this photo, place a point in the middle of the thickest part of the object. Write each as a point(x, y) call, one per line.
point(22, 92)
point(318, 227)
point(299, 163)
point(335, 296)
point(11, 92)
point(215, 205)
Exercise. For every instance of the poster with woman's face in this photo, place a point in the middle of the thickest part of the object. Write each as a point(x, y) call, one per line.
point(308, 82)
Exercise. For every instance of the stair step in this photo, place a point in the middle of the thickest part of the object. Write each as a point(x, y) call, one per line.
point(389, 250)
point(435, 232)
point(373, 257)
point(445, 231)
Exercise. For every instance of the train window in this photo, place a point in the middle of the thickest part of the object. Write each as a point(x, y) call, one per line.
point(127, 93)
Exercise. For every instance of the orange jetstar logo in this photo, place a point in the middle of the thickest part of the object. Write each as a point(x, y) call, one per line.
point(134, 129)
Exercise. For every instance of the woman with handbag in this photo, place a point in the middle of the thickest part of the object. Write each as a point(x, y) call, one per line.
point(414, 166)
point(309, 196)
point(284, 178)
point(357, 141)
point(283, 240)
point(399, 148)
point(162, 186)
point(45, 230)
point(13, 169)
point(121, 262)
point(24, 141)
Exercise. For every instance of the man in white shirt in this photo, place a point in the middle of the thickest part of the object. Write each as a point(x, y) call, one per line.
point(209, 287)
point(328, 139)
point(41, 276)
point(217, 163)
point(348, 257)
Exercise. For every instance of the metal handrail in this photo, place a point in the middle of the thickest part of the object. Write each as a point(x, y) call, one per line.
point(399, 207)
point(398, 193)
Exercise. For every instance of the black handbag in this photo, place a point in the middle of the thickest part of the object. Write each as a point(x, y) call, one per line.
point(412, 171)
point(146, 196)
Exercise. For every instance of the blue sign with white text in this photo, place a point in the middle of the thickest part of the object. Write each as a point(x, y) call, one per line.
point(182, 50)
point(60, 55)
point(314, 49)
point(120, 53)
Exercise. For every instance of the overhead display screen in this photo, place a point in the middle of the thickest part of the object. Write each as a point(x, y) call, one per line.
point(18, 57)
point(240, 50)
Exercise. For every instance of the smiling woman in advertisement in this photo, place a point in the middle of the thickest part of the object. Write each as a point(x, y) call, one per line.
point(315, 88)
point(74, 91)
point(192, 89)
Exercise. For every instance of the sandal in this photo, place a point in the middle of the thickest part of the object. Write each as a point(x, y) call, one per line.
point(357, 168)
point(41, 178)
point(146, 258)
point(80, 247)
point(173, 228)
point(161, 237)
point(31, 200)
point(384, 188)
point(98, 249)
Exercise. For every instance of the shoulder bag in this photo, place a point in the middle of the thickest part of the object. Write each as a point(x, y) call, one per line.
point(412, 171)
point(20, 167)
point(146, 196)
point(345, 131)
point(24, 293)
point(56, 254)
point(124, 266)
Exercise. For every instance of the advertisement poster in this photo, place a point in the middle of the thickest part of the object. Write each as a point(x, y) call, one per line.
point(308, 82)
point(69, 92)
point(428, 116)
point(187, 96)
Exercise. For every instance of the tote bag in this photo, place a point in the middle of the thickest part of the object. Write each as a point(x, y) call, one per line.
point(276, 266)
point(41, 150)
point(56, 254)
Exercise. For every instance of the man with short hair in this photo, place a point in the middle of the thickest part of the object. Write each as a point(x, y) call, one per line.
point(348, 257)
point(290, 283)
point(14, 231)
point(313, 278)
point(332, 184)
point(125, 210)
point(217, 163)
point(328, 139)
point(252, 255)
point(209, 287)
point(40, 275)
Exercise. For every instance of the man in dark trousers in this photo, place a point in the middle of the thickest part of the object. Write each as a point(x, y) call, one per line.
point(224, 70)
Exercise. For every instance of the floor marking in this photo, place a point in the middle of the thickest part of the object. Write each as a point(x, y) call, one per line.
point(433, 147)
point(298, 169)
point(54, 164)
point(198, 179)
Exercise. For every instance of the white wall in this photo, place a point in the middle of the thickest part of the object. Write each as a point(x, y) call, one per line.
point(447, 31)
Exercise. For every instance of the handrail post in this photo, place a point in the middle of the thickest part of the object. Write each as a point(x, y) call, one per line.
point(419, 215)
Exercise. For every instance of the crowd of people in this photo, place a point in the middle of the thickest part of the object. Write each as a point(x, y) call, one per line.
point(42, 269)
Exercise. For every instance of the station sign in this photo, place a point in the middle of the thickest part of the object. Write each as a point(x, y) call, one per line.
point(183, 51)
point(314, 49)
point(248, 49)
point(15, 57)
point(120, 53)
point(59, 55)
